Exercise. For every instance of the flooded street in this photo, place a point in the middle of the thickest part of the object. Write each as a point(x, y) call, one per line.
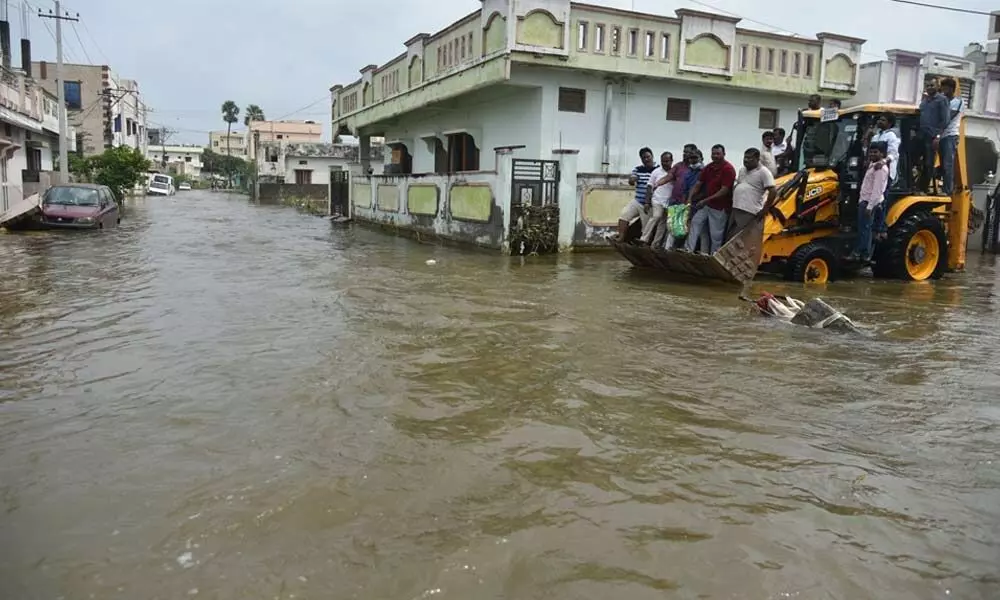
point(234, 402)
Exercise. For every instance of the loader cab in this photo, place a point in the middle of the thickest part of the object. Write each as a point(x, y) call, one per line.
point(839, 143)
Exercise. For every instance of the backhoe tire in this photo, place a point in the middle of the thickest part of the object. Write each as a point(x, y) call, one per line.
point(812, 263)
point(916, 249)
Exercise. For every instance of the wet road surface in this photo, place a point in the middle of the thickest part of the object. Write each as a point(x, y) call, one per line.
point(235, 402)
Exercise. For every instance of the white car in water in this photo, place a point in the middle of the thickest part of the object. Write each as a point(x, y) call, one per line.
point(161, 185)
point(183, 187)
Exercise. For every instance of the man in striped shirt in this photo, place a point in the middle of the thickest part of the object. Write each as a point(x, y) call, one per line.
point(639, 207)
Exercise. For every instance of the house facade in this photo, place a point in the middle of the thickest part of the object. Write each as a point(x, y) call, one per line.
point(520, 95)
point(282, 132)
point(29, 136)
point(177, 159)
point(105, 110)
point(233, 143)
point(310, 163)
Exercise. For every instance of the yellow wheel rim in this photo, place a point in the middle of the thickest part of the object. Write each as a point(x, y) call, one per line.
point(817, 271)
point(922, 255)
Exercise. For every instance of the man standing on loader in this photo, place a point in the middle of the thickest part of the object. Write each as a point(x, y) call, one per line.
point(949, 137)
point(754, 192)
point(639, 207)
point(935, 115)
point(711, 211)
point(872, 194)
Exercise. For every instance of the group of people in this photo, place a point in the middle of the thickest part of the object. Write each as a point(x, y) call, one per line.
point(719, 201)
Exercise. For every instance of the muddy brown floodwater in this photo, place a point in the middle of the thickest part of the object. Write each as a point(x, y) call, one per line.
point(235, 402)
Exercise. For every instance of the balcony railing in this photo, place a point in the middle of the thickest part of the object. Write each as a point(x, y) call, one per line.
point(20, 94)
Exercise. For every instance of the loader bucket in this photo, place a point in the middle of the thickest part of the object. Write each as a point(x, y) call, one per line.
point(736, 262)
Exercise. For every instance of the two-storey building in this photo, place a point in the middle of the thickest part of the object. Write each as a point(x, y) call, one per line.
point(106, 111)
point(29, 135)
point(567, 93)
point(228, 143)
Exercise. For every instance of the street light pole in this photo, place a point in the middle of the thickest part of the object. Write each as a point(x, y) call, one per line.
point(61, 87)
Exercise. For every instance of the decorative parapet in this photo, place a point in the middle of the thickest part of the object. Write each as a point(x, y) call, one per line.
point(693, 46)
point(839, 65)
point(542, 27)
point(707, 43)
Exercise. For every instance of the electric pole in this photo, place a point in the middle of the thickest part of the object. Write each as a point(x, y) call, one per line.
point(61, 87)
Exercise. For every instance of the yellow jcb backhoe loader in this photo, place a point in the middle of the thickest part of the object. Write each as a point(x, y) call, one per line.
point(813, 239)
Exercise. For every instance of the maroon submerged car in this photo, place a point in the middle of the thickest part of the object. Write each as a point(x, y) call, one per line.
point(79, 206)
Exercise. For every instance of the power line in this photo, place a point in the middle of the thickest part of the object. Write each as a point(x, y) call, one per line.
point(94, 40)
point(82, 47)
point(297, 111)
point(967, 11)
point(53, 36)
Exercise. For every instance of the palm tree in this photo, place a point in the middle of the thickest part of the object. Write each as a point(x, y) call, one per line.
point(253, 113)
point(230, 114)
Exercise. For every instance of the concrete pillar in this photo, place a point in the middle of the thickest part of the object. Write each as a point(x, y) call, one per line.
point(364, 152)
point(503, 190)
point(569, 203)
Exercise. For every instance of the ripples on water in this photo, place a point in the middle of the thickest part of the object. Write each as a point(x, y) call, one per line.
point(239, 402)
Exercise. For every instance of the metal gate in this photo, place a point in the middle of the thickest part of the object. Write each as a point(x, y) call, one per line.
point(338, 193)
point(535, 183)
point(991, 229)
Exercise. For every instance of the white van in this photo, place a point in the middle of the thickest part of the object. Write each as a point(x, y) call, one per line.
point(161, 185)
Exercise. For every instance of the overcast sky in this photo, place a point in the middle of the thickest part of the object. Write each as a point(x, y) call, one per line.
point(191, 55)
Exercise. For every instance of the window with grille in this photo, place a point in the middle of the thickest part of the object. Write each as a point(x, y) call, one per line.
point(462, 153)
point(303, 177)
point(616, 40)
point(678, 109)
point(572, 100)
point(768, 118)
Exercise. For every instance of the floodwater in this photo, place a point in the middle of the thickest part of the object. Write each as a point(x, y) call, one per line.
point(234, 402)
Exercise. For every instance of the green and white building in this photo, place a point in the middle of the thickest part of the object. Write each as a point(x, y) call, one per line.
point(548, 101)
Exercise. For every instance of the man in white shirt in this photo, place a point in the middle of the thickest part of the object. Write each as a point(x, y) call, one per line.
point(948, 143)
point(767, 152)
point(660, 195)
point(888, 135)
point(754, 190)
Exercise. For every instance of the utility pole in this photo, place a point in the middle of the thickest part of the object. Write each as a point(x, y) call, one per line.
point(61, 86)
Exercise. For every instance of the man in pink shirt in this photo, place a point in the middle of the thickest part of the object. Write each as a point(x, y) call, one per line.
point(870, 200)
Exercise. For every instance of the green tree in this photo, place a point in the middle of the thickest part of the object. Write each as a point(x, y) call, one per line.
point(253, 113)
point(121, 169)
point(230, 114)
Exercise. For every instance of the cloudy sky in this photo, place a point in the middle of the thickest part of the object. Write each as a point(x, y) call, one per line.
point(191, 55)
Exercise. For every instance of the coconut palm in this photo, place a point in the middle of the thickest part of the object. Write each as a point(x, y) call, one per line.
point(230, 114)
point(253, 113)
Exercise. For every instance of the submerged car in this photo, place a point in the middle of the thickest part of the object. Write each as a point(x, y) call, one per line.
point(161, 185)
point(184, 186)
point(79, 206)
